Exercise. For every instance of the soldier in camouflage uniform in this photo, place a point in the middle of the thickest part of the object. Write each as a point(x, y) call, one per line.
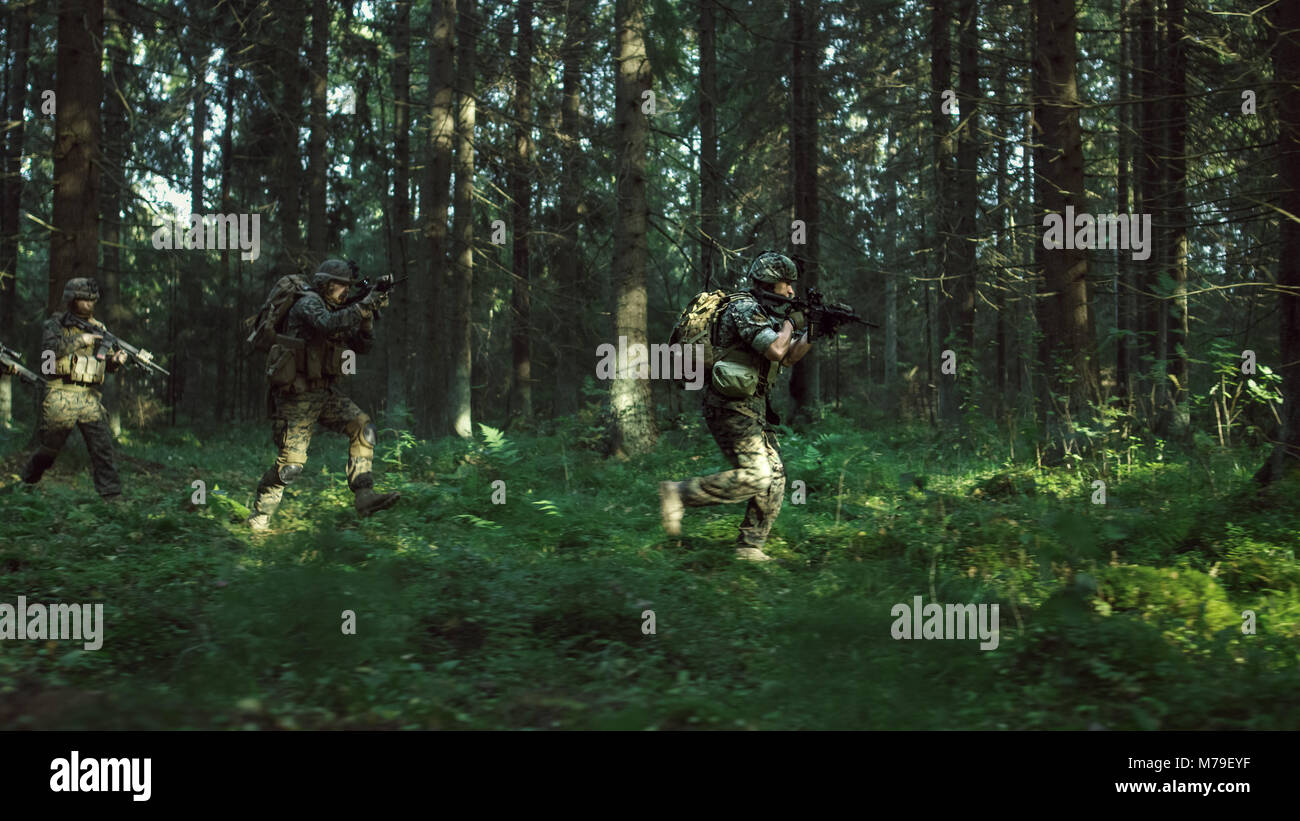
point(304, 364)
point(753, 333)
point(71, 399)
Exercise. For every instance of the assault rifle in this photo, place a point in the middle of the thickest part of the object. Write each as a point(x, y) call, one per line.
point(366, 286)
point(9, 359)
point(824, 316)
point(109, 342)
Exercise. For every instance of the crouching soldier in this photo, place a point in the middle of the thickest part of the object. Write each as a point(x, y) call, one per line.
point(304, 365)
point(72, 399)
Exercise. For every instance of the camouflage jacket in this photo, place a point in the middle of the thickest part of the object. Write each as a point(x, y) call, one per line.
point(312, 320)
point(750, 328)
point(74, 358)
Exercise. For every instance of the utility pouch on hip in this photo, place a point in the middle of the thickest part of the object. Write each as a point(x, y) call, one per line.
point(735, 380)
point(280, 365)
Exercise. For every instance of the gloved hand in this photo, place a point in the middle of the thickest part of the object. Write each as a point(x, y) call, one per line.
point(798, 319)
point(365, 310)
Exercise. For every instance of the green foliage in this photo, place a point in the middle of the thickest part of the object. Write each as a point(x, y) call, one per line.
point(528, 614)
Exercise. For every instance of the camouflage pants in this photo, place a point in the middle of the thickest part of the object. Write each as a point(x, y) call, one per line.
point(295, 416)
point(758, 474)
point(63, 408)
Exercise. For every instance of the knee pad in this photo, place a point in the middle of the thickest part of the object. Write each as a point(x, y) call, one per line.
point(290, 472)
point(363, 435)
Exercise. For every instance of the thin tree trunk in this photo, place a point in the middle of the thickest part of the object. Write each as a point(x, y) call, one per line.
point(317, 240)
point(461, 353)
point(945, 184)
point(17, 38)
point(401, 354)
point(805, 381)
point(1177, 410)
point(961, 245)
point(710, 179)
point(117, 312)
point(521, 393)
point(568, 276)
point(434, 203)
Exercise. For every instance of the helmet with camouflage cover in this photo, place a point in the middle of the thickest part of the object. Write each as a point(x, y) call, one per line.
point(773, 267)
point(333, 270)
point(80, 288)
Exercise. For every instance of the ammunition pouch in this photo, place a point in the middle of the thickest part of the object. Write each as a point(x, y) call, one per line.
point(85, 370)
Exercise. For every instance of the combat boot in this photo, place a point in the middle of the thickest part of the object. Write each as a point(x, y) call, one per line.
point(670, 507)
point(752, 554)
point(259, 522)
point(368, 501)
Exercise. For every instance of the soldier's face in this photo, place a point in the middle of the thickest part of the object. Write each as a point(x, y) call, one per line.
point(334, 291)
point(783, 288)
point(83, 307)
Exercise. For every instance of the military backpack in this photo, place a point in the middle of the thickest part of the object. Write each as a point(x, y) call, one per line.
point(731, 370)
point(269, 321)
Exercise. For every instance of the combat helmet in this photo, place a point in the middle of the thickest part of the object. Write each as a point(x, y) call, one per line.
point(773, 267)
point(80, 288)
point(334, 270)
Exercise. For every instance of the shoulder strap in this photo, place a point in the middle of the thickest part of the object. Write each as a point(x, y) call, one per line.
point(717, 320)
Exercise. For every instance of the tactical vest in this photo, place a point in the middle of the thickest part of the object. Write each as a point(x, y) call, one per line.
point(302, 365)
point(80, 367)
point(741, 353)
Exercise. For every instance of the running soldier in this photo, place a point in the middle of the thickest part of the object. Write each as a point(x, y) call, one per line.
point(72, 399)
point(754, 337)
point(304, 364)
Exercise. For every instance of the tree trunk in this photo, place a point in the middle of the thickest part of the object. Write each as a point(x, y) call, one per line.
point(317, 239)
point(18, 39)
point(805, 381)
point(401, 354)
point(1286, 66)
point(521, 387)
point(1124, 293)
point(188, 371)
point(888, 220)
point(710, 178)
point(961, 253)
point(1147, 193)
point(117, 312)
point(1067, 352)
point(633, 430)
point(460, 350)
point(286, 164)
point(945, 185)
point(74, 242)
point(1177, 409)
point(435, 199)
point(571, 359)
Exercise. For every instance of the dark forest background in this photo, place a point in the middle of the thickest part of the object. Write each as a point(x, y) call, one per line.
point(553, 175)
